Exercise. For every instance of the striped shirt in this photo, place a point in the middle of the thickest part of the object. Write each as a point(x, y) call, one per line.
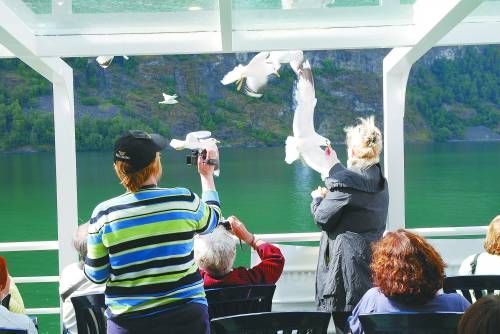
point(141, 245)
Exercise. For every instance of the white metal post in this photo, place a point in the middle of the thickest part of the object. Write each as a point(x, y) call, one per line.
point(64, 133)
point(394, 89)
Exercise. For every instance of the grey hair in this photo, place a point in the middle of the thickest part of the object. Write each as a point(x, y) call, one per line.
point(80, 240)
point(215, 252)
point(364, 143)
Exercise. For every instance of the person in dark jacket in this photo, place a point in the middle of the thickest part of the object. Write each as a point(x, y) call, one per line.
point(351, 212)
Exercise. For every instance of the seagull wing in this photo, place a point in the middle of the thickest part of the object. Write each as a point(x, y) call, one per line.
point(199, 134)
point(178, 144)
point(305, 99)
point(234, 75)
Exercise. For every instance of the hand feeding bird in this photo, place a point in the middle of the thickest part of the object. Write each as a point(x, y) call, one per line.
point(169, 99)
point(253, 76)
point(306, 143)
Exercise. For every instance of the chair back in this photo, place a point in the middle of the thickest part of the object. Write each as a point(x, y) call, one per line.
point(239, 299)
point(13, 331)
point(410, 323)
point(472, 287)
point(89, 313)
point(272, 323)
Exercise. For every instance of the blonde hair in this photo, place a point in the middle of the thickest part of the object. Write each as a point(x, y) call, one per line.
point(133, 181)
point(364, 143)
point(215, 252)
point(492, 241)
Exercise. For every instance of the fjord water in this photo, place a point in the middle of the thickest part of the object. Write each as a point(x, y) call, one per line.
point(450, 184)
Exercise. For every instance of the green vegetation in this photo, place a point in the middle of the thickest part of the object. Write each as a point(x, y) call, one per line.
point(445, 95)
point(453, 94)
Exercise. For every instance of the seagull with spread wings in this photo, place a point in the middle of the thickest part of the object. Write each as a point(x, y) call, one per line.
point(253, 76)
point(169, 99)
point(306, 143)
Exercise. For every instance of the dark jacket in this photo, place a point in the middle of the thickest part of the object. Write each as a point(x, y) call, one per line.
point(357, 203)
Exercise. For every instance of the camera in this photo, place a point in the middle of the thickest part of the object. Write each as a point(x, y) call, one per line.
point(192, 159)
point(226, 224)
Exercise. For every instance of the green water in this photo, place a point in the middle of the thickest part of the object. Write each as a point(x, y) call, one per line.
point(453, 184)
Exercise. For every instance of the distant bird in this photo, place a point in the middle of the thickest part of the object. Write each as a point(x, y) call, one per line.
point(252, 77)
point(169, 99)
point(306, 143)
point(105, 61)
point(293, 57)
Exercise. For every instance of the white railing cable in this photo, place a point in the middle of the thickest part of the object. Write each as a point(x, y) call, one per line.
point(36, 279)
point(44, 310)
point(28, 246)
point(450, 231)
point(425, 232)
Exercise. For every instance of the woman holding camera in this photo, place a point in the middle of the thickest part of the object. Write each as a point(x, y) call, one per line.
point(141, 243)
point(215, 253)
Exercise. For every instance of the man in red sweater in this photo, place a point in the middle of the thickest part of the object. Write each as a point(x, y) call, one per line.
point(215, 253)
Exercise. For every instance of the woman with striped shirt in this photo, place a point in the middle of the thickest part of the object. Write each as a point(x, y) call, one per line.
point(141, 243)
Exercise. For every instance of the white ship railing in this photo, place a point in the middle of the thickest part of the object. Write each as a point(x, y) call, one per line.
point(274, 238)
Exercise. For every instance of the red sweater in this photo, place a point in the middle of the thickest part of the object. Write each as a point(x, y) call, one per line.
point(268, 271)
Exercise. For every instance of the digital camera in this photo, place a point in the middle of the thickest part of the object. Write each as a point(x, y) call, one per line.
point(192, 159)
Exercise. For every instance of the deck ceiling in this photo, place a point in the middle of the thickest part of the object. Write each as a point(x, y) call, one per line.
point(71, 28)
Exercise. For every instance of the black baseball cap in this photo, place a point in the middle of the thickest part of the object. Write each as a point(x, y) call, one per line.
point(138, 148)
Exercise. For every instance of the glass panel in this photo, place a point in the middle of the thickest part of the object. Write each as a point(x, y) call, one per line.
point(293, 4)
point(296, 14)
point(122, 6)
point(146, 6)
point(39, 6)
point(63, 17)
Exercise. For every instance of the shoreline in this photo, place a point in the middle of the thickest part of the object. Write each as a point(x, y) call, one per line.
point(33, 150)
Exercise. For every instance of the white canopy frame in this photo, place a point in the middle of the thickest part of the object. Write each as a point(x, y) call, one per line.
point(428, 23)
point(396, 69)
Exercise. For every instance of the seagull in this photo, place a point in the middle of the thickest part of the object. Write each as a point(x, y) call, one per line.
point(169, 99)
point(294, 57)
point(198, 140)
point(253, 75)
point(193, 140)
point(306, 143)
point(105, 61)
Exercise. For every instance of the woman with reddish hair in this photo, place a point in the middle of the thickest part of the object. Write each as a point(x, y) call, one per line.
point(8, 319)
point(407, 274)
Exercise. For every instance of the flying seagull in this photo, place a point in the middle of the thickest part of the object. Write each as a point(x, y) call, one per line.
point(105, 61)
point(169, 99)
point(252, 77)
point(306, 143)
point(294, 57)
point(193, 140)
point(197, 141)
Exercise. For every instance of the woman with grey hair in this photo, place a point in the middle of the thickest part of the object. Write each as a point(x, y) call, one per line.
point(215, 253)
point(351, 211)
point(73, 281)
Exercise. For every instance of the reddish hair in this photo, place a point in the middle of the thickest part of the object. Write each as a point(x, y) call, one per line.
point(133, 181)
point(3, 273)
point(492, 241)
point(407, 268)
